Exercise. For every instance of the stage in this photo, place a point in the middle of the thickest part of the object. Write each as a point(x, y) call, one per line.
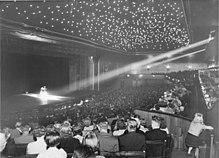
point(25, 101)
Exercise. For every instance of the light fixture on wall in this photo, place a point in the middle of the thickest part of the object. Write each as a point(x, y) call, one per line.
point(32, 36)
point(168, 67)
point(190, 67)
point(140, 75)
point(148, 67)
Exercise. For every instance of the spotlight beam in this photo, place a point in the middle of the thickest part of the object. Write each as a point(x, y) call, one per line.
point(176, 58)
point(105, 76)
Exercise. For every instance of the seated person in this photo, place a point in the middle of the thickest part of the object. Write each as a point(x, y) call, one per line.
point(83, 151)
point(121, 127)
point(77, 131)
point(107, 142)
point(16, 132)
point(4, 135)
point(67, 142)
point(163, 125)
point(87, 126)
point(52, 139)
point(91, 140)
point(155, 134)
point(39, 145)
point(25, 138)
point(132, 141)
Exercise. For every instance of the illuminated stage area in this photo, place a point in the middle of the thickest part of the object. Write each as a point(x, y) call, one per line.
point(21, 102)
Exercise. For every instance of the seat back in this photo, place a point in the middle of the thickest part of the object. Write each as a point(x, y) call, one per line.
point(155, 148)
point(124, 154)
point(28, 156)
point(169, 146)
point(69, 155)
point(21, 149)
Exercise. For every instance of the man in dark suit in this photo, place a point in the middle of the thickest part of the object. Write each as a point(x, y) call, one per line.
point(14, 133)
point(155, 134)
point(107, 142)
point(67, 142)
point(132, 141)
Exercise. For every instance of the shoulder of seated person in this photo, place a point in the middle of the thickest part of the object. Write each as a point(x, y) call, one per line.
point(99, 156)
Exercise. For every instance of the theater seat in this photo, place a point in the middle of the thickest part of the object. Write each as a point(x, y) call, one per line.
point(124, 154)
point(21, 149)
point(28, 156)
point(155, 148)
point(169, 146)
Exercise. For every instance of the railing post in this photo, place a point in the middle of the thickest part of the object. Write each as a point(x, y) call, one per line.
point(211, 147)
point(197, 152)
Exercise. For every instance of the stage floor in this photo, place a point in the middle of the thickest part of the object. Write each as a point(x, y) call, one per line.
point(22, 102)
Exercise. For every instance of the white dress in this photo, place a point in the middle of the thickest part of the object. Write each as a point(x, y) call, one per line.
point(53, 152)
point(37, 147)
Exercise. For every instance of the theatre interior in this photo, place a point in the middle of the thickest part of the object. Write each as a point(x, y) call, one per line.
point(102, 75)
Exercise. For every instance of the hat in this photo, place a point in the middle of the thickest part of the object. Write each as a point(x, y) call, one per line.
point(25, 128)
point(156, 118)
point(77, 128)
point(66, 131)
point(39, 131)
point(121, 124)
point(66, 124)
point(18, 124)
point(102, 120)
point(57, 126)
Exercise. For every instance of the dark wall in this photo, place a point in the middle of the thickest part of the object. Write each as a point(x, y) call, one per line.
point(21, 73)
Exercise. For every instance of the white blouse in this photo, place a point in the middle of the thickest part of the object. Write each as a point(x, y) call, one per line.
point(196, 128)
point(53, 152)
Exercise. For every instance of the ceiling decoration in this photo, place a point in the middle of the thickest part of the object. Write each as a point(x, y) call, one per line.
point(128, 25)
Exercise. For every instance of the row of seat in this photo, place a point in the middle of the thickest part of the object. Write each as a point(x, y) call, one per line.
point(154, 148)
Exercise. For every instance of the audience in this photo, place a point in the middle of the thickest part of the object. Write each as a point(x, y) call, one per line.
point(78, 123)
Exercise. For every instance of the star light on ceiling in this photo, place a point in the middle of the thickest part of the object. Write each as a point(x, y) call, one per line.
point(128, 25)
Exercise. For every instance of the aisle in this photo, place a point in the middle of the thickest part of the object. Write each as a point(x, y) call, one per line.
point(197, 103)
point(190, 109)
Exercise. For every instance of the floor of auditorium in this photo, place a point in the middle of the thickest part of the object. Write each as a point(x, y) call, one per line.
point(179, 154)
